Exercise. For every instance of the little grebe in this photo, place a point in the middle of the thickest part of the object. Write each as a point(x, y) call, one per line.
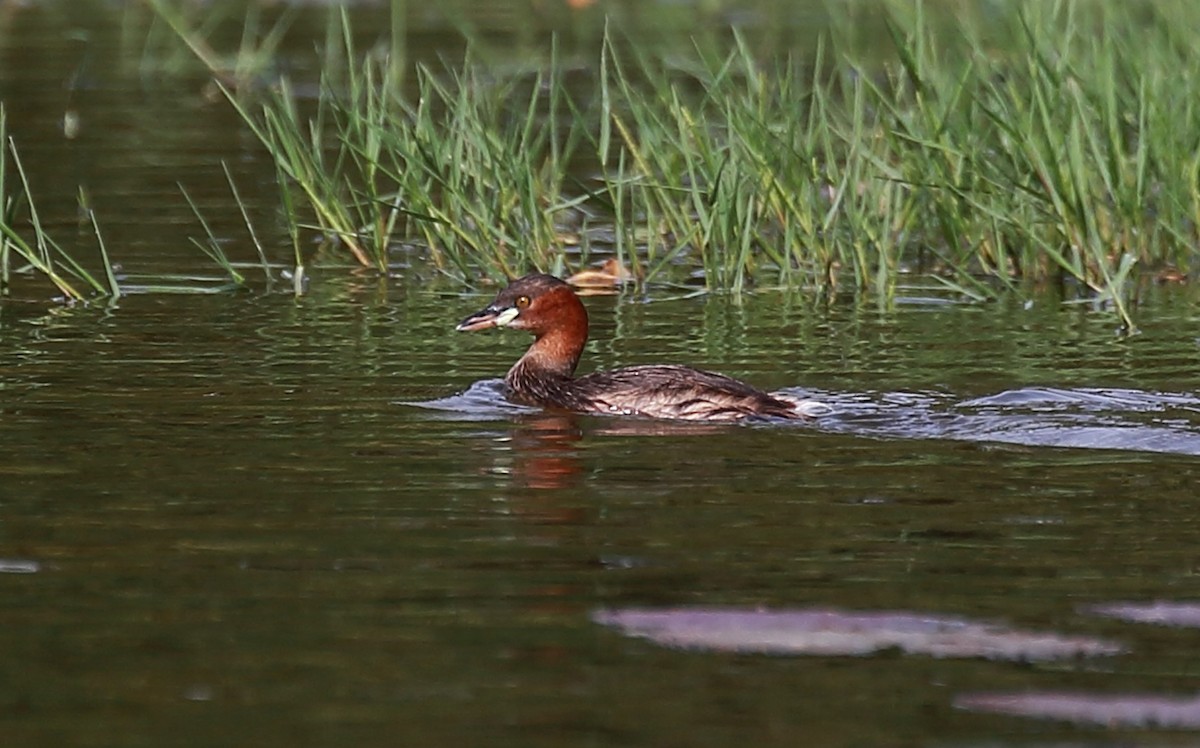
point(547, 307)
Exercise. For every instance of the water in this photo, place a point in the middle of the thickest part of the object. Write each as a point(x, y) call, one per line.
point(222, 517)
point(236, 519)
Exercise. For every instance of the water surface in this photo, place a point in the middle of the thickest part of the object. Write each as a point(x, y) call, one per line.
point(221, 516)
point(234, 519)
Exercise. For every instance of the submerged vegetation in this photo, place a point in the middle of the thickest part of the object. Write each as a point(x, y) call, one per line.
point(995, 147)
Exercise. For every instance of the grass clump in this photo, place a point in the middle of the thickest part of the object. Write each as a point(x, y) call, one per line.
point(474, 177)
point(1072, 159)
point(1029, 144)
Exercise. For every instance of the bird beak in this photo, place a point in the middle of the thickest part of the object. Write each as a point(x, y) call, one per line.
point(490, 317)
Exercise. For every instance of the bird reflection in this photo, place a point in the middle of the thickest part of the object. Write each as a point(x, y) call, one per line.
point(545, 449)
point(545, 453)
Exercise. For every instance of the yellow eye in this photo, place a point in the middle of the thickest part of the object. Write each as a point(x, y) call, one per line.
point(522, 302)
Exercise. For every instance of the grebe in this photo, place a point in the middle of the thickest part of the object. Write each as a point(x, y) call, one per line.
point(547, 307)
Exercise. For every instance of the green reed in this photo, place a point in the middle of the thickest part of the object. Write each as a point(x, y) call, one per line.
point(759, 177)
point(481, 169)
point(1072, 159)
point(33, 251)
point(28, 250)
point(257, 49)
point(996, 150)
point(472, 167)
point(331, 159)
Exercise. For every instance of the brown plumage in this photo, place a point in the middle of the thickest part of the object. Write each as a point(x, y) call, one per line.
point(547, 307)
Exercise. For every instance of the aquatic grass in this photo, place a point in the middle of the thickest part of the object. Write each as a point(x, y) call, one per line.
point(474, 168)
point(299, 269)
point(481, 168)
point(745, 182)
point(302, 162)
point(1039, 163)
point(263, 262)
point(333, 158)
point(41, 255)
point(258, 47)
point(110, 275)
point(212, 247)
point(1031, 144)
point(1056, 175)
point(27, 249)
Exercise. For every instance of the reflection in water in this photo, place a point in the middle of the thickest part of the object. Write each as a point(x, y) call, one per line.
point(828, 632)
point(1126, 710)
point(545, 454)
point(19, 566)
point(545, 445)
point(1161, 612)
point(1119, 710)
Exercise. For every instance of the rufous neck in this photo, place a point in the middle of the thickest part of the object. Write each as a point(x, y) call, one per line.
point(557, 347)
point(556, 352)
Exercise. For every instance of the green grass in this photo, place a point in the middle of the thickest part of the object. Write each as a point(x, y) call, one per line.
point(999, 149)
point(28, 251)
point(34, 251)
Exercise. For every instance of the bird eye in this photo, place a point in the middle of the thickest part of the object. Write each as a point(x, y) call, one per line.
point(522, 302)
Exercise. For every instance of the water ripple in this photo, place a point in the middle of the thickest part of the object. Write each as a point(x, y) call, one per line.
point(1086, 418)
point(483, 401)
point(1036, 416)
point(829, 632)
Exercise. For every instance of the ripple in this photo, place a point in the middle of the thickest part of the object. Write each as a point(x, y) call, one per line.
point(484, 400)
point(831, 632)
point(1087, 418)
point(1108, 710)
point(1038, 417)
point(1085, 399)
point(19, 566)
point(1159, 612)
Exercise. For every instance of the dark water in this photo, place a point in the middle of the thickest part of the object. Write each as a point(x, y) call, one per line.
point(221, 518)
point(236, 519)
